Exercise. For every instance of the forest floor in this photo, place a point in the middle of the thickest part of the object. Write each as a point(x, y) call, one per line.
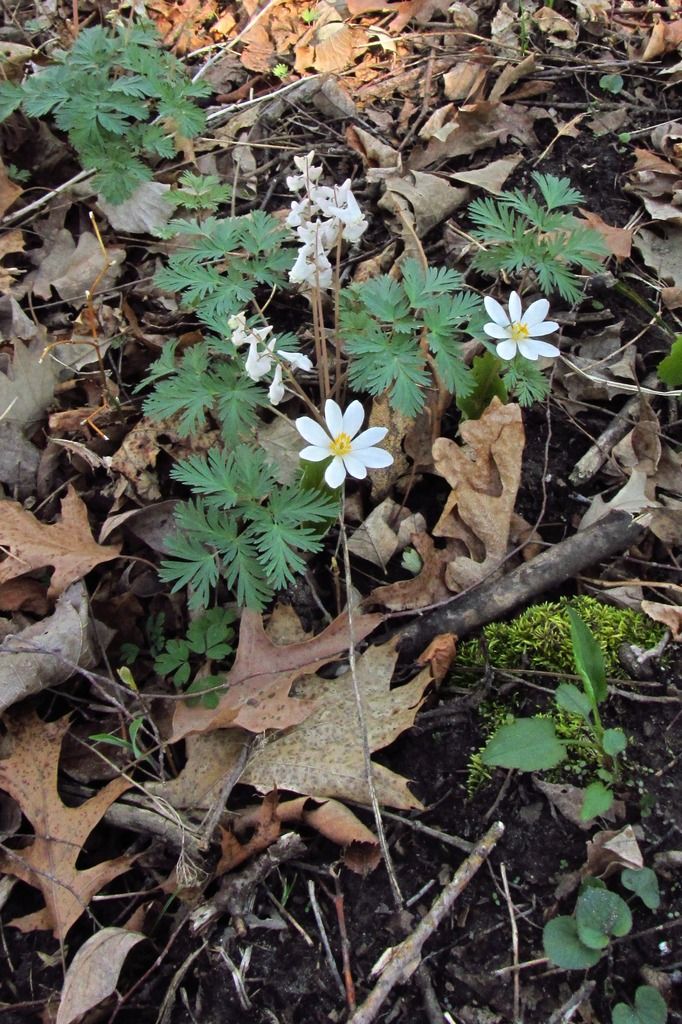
point(252, 891)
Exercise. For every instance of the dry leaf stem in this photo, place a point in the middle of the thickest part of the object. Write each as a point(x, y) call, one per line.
point(362, 720)
point(398, 963)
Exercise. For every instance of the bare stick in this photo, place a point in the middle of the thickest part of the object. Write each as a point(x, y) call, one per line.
point(362, 720)
point(495, 598)
point(398, 963)
point(515, 943)
point(325, 940)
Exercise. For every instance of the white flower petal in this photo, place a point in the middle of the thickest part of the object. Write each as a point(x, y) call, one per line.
point(369, 437)
point(495, 311)
point(536, 312)
point(296, 359)
point(314, 454)
point(496, 331)
point(333, 417)
point(538, 330)
point(276, 391)
point(528, 349)
point(375, 458)
point(543, 348)
point(335, 473)
point(515, 308)
point(355, 466)
point(352, 418)
point(506, 349)
point(312, 432)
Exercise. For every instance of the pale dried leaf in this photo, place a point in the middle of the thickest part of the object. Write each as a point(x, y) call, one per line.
point(11, 242)
point(322, 756)
point(67, 545)
point(142, 213)
point(662, 252)
point(561, 32)
point(669, 614)
point(631, 498)
point(492, 177)
point(79, 274)
point(93, 973)
point(431, 200)
point(484, 475)
point(608, 852)
point(46, 652)
point(28, 389)
point(381, 535)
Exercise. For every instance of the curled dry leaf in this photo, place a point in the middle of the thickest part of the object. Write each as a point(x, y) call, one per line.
point(93, 973)
point(328, 817)
point(427, 588)
point(48, 863)
point(385, 531)
point(439, 655)
point(67, 545)
point(608, 852)
point(484, 474)
point(46, 652)
point(670, 615)
point(617, 240)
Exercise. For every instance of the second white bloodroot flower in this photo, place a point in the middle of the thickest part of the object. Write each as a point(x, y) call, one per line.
point(519, 331)
point(350, 452)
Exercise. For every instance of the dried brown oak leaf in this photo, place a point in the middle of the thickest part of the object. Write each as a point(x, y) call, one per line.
point(67, 545)
point(29, 775)
point(322, 756)
point(484, 474)
point(256, 695)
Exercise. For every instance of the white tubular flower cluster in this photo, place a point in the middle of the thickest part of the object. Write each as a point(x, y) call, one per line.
point(262, 355)
point(319, 217)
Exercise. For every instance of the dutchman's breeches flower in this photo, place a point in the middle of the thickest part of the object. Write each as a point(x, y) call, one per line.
point(349, 453)
point(518, 331)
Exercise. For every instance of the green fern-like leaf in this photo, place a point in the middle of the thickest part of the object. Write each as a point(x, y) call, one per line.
point(105, 93)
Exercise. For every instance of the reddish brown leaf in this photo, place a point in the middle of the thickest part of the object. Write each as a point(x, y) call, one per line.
point(67, 545)
point(29, 775)
point(257, 686)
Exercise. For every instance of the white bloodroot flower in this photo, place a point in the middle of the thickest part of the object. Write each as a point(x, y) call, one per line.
point(262, 354)
point(519, 331)
point(350, 453)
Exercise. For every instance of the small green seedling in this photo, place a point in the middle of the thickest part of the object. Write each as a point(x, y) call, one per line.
point(611, 83)
point(531, 744)
point(209, 637)
point(577, 942)
point(649, 1008)
point(130, 744)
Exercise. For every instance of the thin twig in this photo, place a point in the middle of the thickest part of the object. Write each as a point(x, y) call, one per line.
point(362, 719)
point(398, 963)
point(324, 937)
point(515, 943)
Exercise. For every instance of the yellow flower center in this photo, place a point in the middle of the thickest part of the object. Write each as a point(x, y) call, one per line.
point(341, 445)
point(519, 331)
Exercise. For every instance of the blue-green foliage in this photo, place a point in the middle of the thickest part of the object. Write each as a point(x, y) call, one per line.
point(120, 97)
point(243, 527)
point(384, 323)
point(521, 233)
point(199, 385)
point(223, 261)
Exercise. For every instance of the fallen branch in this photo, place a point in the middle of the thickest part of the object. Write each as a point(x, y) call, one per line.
point(398, 963)
point(497, 597)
